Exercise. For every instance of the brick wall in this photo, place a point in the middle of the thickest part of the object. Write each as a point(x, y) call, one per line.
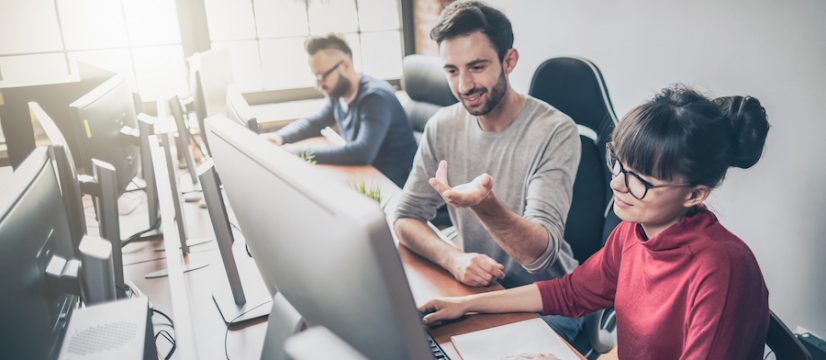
point(425, 15)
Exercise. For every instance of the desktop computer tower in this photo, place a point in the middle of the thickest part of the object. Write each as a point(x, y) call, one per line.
point(114, 330)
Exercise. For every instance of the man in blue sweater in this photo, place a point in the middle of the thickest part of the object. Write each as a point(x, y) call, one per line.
point(368, 114)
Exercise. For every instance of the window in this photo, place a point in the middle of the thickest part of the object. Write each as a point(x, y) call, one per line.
point(143, 41)
point(139, 39)
point(266, 37)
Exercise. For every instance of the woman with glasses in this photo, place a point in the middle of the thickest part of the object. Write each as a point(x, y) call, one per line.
point(683, 286)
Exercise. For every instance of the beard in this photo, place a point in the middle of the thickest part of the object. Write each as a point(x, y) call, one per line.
point(343, 86)
point(497, 92)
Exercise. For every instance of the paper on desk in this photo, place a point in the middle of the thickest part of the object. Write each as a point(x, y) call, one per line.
point(508, 341)
point(333, 137)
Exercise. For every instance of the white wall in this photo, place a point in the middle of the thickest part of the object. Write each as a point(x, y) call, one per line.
point(773, 50)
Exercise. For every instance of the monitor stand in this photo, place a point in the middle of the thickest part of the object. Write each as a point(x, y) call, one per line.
point(179, 219)
point(146, 181)
point(246, 298)
point(103, 184)
point(187, 267)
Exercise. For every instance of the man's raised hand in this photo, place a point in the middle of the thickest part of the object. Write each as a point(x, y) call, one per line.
point(464, 195)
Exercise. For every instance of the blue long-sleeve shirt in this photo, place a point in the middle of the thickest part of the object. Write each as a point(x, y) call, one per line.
point(375, 127)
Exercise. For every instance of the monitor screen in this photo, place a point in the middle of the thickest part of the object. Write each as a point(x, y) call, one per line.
point(101, 115)
point(215, 74)
point(33, 228)
point(210, 72)
point(66, 172)
point(176, 109)
point(324, 246)
point(239, 110)
point(54, 98)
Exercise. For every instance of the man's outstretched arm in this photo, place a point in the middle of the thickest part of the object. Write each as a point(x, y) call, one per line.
point(523, 239)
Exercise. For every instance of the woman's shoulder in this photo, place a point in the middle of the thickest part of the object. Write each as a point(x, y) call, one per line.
point(720, 253)
point(623, 235)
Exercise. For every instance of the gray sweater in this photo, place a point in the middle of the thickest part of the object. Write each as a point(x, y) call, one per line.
point(533, 163)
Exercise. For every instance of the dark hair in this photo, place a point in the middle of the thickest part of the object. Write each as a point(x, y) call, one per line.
point(465, 17)
point(314, 44)
point(681, 132)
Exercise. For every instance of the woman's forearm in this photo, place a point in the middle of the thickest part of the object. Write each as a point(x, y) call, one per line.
point(520, 299)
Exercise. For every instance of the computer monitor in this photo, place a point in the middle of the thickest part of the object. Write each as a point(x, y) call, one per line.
point(54, 98)
point(66, 171)
point(105, 120)
point(215, 74)
point(239, 110)
point(210, 72)
point(72, 190)
point(177, 111)
point(168, 183)
point(33, 230)
point(321, 244)
point(246, 291)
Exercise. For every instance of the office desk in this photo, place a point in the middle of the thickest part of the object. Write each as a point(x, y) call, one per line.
point(274, 116)
point(426, 281)
point(244, 342)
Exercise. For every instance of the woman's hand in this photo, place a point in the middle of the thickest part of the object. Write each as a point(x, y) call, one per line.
point(443, 309)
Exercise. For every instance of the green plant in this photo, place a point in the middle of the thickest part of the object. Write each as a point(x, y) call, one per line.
point(307, 156)
point(373, 192)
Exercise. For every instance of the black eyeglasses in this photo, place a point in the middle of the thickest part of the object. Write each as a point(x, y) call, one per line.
point(636, 185)
point(321, 77)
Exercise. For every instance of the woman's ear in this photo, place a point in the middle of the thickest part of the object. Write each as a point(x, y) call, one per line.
point(696, 196)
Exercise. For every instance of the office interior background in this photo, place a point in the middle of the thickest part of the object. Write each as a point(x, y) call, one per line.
point(773, 50)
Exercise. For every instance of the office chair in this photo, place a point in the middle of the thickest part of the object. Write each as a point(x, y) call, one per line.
point(783, 342)
point(424, 81)
point(575, 86)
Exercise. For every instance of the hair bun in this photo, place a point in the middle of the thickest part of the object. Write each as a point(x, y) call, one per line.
point(749, 126)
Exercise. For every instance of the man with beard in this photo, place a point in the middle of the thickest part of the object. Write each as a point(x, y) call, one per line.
point(514, 156)
point(369, 116)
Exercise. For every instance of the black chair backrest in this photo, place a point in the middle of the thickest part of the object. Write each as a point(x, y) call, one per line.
point(583, 228)
point(424, 81)
point(783, 342)
point(575, 86)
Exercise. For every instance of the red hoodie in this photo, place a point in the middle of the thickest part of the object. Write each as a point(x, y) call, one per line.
point(694, 291)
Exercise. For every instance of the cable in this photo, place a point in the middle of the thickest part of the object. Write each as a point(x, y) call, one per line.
point(137, 187)
point(226, 334)
point(137, 236)
point(768, 353)
point(166, 334)
point(247, 246)
point(171, 340)
point(161, 313)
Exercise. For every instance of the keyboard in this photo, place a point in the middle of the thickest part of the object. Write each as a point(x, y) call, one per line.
point(438, 353)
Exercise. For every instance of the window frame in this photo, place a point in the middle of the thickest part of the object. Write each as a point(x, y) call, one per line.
point(267, 96)
point(194, 38)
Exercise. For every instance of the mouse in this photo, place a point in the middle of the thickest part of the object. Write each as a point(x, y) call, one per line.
point(192, 197)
